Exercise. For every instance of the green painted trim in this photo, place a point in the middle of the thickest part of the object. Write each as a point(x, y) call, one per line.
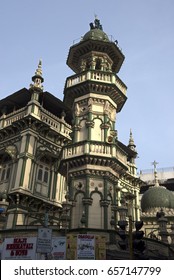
point(105, 129)
point(105, 208)
point(87, 205)
point(87, 185)
point(71, 186)
point(54, 185)
point(105, 188)
point(27, 142)
point(50, 185)
point(33, 169)
point(86, 215)
point(22, 172)
point(75, 131)
point(105, 217)
point(89, 127)
point(32, 108)
point(14, 219)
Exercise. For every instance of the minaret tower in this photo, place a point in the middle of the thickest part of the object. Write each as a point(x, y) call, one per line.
point(95, 159)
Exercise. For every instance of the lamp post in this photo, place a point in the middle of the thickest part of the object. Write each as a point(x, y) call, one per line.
point(134, 241)
point(65, 216)
point(130, 197)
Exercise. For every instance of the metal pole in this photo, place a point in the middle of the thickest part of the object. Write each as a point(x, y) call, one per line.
point(130, 239)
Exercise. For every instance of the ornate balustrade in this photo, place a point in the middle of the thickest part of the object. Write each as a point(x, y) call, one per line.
point(104, 77)
point(55, 123)
point(95, 148)
point(45, 116)
point(12, 117)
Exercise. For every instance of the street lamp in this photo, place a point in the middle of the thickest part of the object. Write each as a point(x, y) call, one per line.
point(65, 216)
point(134, 242)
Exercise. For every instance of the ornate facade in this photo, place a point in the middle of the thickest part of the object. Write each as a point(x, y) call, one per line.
point(49, 147)
point(61, 162)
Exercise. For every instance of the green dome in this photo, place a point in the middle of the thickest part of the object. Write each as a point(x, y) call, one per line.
point(157, 197)
point(96, 34)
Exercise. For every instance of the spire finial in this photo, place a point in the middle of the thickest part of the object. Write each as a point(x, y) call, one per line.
point(131, 144)
point(37, 78)
point(39, 68)
point(154, 163)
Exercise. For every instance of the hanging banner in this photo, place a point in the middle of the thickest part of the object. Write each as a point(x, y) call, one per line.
point(23, 248)
point(44, 240)
point(85, 247)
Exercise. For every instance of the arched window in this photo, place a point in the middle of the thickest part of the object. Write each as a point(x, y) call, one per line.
point(96, 133)
point(98, 64)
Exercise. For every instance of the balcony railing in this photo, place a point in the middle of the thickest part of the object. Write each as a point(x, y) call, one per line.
point(56, 123)
point(104, 77)
point(94, 148)
point(14, 116)
point(45, 116)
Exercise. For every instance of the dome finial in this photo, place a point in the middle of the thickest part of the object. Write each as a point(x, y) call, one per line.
point(154, 163)
point(96, 24)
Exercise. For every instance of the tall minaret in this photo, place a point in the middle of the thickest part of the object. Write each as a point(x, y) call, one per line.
point(96, 161)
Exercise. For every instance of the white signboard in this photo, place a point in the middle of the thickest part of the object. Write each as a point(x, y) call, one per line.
point(85, 247)
point(44, 240)
point(23, 248)
point(58, 250)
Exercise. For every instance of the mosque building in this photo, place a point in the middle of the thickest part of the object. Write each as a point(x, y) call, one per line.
point(61, 162)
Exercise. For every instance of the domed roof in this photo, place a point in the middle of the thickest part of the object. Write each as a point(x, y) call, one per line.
point(96, 32)
point(157, 196)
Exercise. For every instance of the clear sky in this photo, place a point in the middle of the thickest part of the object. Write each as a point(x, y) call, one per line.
point(34, 29)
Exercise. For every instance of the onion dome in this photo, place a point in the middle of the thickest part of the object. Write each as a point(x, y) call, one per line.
point(157, 196)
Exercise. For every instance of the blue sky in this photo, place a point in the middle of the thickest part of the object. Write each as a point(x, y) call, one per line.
point(34, 29)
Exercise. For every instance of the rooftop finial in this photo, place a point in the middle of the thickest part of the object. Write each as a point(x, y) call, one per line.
point(96, 24)
point(37, 78)
point(131, 144)
point(39, 69)
point(154, 163)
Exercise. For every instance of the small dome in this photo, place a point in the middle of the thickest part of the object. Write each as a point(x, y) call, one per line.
point(96, 34)
point(157, 197)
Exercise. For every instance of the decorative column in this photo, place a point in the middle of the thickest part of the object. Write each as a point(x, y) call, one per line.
point(162, 221)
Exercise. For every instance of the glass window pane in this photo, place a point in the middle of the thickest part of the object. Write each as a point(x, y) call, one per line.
point(8, 173)
point(39, 177)
point(46, 177)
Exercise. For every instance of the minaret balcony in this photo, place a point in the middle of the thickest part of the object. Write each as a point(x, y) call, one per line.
point(94, 148)
point(100, 76)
